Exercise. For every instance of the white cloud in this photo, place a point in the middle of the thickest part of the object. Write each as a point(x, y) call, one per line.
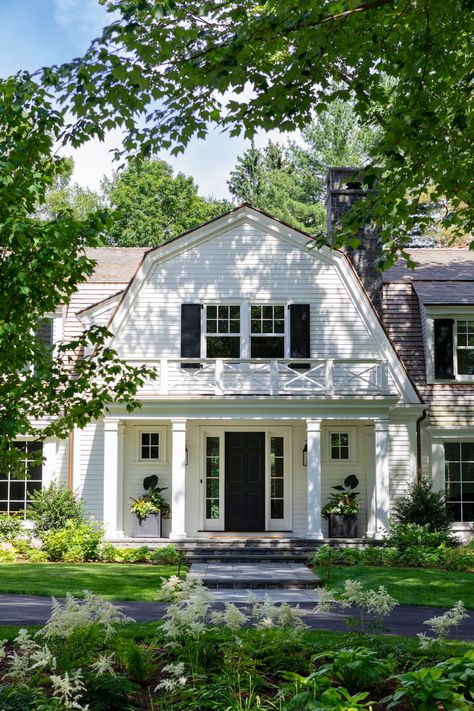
point(86, 17)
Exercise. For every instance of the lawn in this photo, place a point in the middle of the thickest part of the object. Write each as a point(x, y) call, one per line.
point(410, 586)
point(113, 581)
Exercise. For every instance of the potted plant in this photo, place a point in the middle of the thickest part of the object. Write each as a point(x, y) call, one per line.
point(342, 508)
point(150, 509)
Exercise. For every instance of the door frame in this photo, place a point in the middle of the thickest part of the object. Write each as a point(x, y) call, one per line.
point(284, 524)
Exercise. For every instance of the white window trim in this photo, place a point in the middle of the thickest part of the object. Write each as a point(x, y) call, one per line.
point(457, 313)
point(438, 437)
point(245, 323)
point(162, 432)
point(351, 432)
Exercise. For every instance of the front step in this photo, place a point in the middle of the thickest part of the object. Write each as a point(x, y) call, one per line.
point(271, 576)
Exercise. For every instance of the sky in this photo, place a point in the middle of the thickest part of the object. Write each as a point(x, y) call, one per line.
point(36, 33)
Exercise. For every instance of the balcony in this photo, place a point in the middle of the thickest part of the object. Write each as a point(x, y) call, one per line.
point(272, 377)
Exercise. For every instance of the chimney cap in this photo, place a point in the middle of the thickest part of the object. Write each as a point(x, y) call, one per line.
point(345, 178)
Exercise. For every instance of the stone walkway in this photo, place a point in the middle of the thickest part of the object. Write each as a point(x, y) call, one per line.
point(289, 576)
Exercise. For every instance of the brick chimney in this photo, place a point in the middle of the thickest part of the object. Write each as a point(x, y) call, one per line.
point(344, 187)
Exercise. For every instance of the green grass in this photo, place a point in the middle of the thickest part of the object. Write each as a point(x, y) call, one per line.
point(113, 581)
point(410, 586)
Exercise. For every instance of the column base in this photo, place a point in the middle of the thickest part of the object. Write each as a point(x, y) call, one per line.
point(315, 536)
point(178, 536)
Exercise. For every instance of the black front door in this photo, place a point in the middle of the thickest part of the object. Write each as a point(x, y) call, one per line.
point(245, 481)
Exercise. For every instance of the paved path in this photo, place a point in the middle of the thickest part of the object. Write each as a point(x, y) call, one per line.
point(405, 620)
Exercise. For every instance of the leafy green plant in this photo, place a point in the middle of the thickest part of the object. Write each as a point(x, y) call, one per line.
point(75, 542)
point(51, 508)
point(426, 689)
point(424, 507)
point(152, 502)
point(135, 555)
point(36, 556)
point(355, 668)
point(108, 553)
point(406, 535)
point(344, 500)
point(10, 526)
point(137, 660)
point(167, 555)
point(461, 669)
point(7, 553)
point(106, 692)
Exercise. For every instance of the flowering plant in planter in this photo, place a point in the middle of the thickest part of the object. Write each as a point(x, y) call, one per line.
point(344, 501)
point(152, 502)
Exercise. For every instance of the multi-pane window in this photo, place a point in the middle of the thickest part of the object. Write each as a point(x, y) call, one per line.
point(15, 492)
point(459, 472)
point(267, 331)
point(277, 508)
point(212, 478)
point(465, 347)
point(223, 331)
point(339, 445)
point(150, 445)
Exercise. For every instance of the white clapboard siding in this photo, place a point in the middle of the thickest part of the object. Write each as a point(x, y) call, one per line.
point(88, 294)
point(402, 457)
point(90, 477)
point(244, 264)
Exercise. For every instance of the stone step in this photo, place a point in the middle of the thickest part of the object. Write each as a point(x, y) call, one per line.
point(286, 576)
point(245, 557)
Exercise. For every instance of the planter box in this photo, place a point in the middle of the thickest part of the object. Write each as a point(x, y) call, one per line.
point(342, 526)
point(150, 527)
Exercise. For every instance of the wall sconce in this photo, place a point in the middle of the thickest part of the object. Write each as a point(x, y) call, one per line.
point(305, 455)
point(186, 456)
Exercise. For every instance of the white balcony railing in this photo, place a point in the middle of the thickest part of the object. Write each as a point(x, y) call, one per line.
point(308, 376)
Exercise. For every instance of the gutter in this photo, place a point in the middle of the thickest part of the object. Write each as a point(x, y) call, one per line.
point(70, 461)
point(418, 447)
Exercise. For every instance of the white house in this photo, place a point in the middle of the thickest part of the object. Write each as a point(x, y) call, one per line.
point(281, 370)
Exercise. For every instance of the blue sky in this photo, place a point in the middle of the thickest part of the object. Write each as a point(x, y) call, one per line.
point(35, 33)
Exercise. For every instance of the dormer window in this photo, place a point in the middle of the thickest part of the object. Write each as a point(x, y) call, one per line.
point(465, 347)
point(223, 331)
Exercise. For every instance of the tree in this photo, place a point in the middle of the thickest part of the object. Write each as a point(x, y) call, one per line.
point(64, 195)
point(44, 393)
point(290, 182)
point(248, 65)
point(151, 205)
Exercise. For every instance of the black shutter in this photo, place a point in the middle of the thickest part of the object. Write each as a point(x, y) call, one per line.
point(299, 331)
point(191, 331)
point(443, 348)
point(45, 331)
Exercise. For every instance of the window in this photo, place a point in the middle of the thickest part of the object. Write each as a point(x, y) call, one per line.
point(276, 478)
point(223, 331)
point(14, 492)
point(267, 330)
point(339, 445)
point(465, 347)
point(150, 445)
point(212, 478)
point(459, 473)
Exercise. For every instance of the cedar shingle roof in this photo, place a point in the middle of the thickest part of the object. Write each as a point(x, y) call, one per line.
point(115, 264)
point(434, 265)
point(445, 292)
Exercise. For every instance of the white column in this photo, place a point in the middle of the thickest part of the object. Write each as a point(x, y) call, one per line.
point(313, 431)
point(371, 488)
point(382, 473)
point(113, 477)
point(178, 480)
point(49, 464)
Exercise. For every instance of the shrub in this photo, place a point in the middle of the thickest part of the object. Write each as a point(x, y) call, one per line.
point(168, 555)
point(355, 669)
point(74, 543)
point(53, 507)
point(425, 690)
point(423, 506)
point(106, 692)
point(108, 553)
point(36, 556)
point(134, 555)
point(10, 526)
point(7, 553)
point(414, 535)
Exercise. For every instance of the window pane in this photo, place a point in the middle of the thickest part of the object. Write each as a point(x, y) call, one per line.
point(223, 326)
point(32, 486)
point(235, 326)
point(255, 326)
point(452, 451)
point(212, 326)
point(145, 438)
point(453, 491)
point(465, 361)
point(334, 440)
point(334, 452)
point(4, 490)
point(255, 312)
point(145, 453)
point(467, 471)
point(276, 508)
point(235, 312)
point(453, 471)
point(279, 327)
point(34, 472)
point(344, 452)
point(268, 312)
point(268, 327)
point(212, 488)
point(454, 510)
point(223, 312)
point(277, 446)
point(212, 446)
point(462, 339)
point(154, 438)
point(212, 508)
point(212, 312)
point(467, 451)
point(154, 453)
point(223, 347)
point(17, 490)
point(279, 312)
point(468, 512)
point(344, 439)
point(267, 347)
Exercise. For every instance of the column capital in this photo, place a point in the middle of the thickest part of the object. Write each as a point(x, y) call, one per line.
point(178, 424)
point(381, 424)
point(313, 424)
point(112, 424)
